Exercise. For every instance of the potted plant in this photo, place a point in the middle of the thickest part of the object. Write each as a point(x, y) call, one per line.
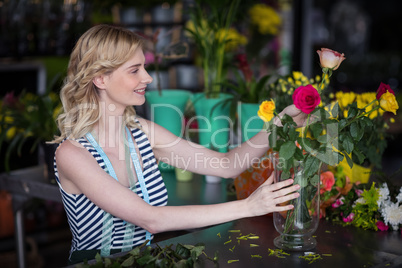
point(211, 29)
point(28, 117)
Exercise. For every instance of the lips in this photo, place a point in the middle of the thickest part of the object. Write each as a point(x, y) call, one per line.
point(140, 91)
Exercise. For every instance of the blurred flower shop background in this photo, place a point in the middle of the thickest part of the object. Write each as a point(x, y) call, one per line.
point(227, 55)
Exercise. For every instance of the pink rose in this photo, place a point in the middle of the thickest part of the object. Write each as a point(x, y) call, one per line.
point(381, 226)
point(327, 181)
point(330, 59)
point(306, 98)
point(338, 202)
point(358, 192)
point(383, 88)
point(349, 218)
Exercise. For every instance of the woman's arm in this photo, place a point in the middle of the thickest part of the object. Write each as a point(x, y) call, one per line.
point(79, 172)
point(196, 158)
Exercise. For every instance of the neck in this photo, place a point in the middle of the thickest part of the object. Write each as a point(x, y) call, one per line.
point(109, 129)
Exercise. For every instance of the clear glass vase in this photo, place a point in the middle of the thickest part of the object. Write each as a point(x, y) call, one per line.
point(297, 226)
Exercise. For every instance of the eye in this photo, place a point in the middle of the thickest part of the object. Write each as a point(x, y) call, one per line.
point(134, 71)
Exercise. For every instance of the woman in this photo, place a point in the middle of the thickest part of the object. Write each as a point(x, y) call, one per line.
point(121, 208)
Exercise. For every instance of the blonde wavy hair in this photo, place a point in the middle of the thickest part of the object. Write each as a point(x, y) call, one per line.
point(99, 51)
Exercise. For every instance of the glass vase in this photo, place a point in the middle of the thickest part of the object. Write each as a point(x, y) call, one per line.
point(297, 226)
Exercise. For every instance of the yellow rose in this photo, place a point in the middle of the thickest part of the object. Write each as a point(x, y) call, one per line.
point(388, 102)
point(266, 111)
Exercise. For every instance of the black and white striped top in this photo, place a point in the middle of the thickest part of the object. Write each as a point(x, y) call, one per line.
point(86, 219)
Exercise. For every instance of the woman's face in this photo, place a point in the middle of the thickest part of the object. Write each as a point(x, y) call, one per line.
point(127, 84)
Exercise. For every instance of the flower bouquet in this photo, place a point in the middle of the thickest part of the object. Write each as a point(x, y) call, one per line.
point(373, 143)
point(358, 204)
point(327, 138)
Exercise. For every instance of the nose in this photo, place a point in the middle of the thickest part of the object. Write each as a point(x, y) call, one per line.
point(147, 79)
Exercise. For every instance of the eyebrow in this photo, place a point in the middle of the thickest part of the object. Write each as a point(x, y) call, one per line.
point(134, 66)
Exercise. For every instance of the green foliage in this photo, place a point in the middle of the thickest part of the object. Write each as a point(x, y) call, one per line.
point(148, 256)
point(207, 20)
point(27, 116)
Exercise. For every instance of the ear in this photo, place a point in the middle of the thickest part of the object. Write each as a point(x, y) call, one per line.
point(99, 81)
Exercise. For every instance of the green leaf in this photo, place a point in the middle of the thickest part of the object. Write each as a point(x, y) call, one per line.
point(335, 110)
point(316, 129)
point(332, 128)
point(356, 131)
point(329, 156)
point(367, 121)
point(135, 251)
point(300, 179)
point(299, 154)
point(322, 138)
point(196, 251)
point(342, 123)
point(98, 257)
point(107, 262)
point(304, 142)
point(128, 262)
point(314, 180)
point(182, 251)
point(285, 175)
point(324, 114)
point(286, 128)
point(288, 119)
point(352, 112)
point(293, 134)
point(312, 164)
point(359, 155)
point(347, 143)
point(287, 150)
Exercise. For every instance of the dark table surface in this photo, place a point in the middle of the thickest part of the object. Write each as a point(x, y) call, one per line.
point(347, 246)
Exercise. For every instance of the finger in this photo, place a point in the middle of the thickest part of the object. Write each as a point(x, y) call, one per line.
point(284, 208)
point(286, 191)
point(279, 185)
point(270, 180)
point(285, 198)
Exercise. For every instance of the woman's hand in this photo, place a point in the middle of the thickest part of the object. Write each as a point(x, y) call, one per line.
point(269, 195)
point(298, 116)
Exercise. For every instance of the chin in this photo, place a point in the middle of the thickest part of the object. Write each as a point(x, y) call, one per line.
point(139, 102)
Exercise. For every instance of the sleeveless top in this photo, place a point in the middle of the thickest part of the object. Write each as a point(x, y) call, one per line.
point(86, 219)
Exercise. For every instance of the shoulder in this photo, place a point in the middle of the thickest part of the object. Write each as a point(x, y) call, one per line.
point(74, 162)
point(71, 155)
point(68, 149)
